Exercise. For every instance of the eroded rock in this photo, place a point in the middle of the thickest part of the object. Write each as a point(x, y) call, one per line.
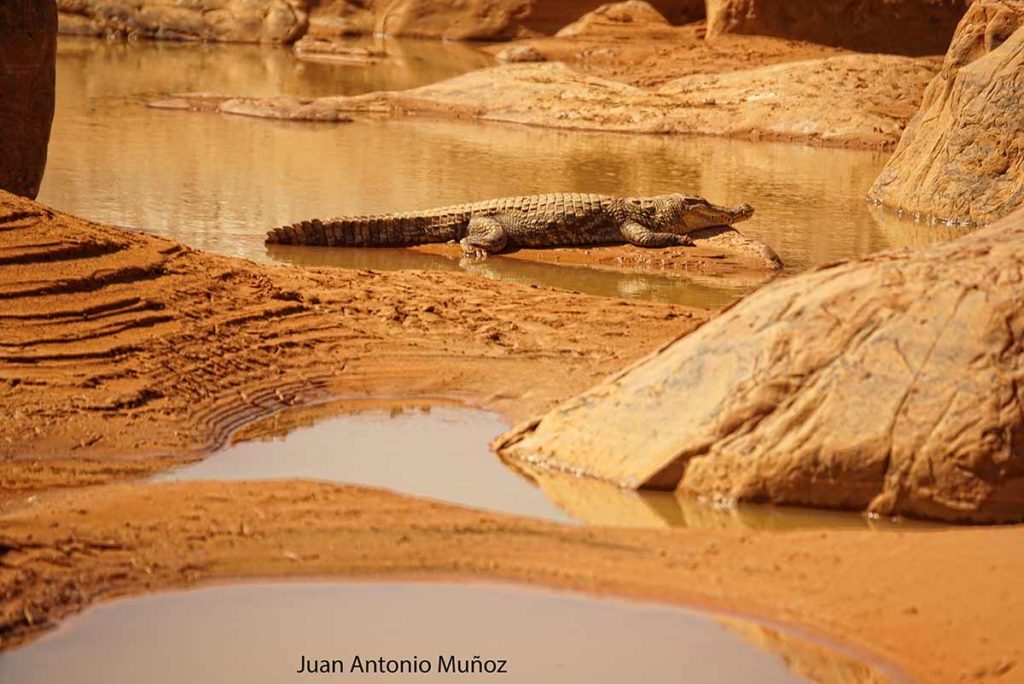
point(469, 19)
point(28, 48)
point(240, 21)
point(520, 54)
point(961, 158)
point(893, 383)
point(615, 17)
point(849, 101)
point(906, 27)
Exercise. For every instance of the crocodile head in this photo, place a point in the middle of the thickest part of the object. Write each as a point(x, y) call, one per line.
point(685, 213)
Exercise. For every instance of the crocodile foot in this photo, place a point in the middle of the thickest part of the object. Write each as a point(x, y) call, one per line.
point(473, 253)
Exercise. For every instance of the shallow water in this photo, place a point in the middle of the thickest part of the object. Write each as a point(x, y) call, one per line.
point(258, 633)
point(443, 454)
point(218, 182)
point(601, 503)
point(440, 454)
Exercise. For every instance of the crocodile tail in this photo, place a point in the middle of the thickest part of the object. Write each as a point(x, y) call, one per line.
point(374, 231)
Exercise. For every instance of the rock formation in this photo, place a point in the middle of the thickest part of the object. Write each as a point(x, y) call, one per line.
point(906, 27)
point(239, 21)
point(894, 383)
point(469, 19)
point(615, 17)
point(961, 159)
point(28, 48)
point(847, 101)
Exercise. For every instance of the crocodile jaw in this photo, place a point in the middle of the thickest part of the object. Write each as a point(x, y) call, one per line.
point(707, 215)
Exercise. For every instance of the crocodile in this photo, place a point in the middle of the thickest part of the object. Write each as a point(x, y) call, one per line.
point(555, 220)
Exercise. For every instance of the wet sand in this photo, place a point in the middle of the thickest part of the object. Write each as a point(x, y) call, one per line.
point(143, 353)
point(939, 606)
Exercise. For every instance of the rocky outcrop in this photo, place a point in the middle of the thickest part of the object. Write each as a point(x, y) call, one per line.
point(469, 19)
point(28, 47)
point(614, 18)
point(847, 101)
point(237, 21)
point(892, 384)
point(961, 158)
point(906, 27)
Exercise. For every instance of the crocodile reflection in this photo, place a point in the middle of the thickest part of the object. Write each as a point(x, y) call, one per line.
point(686, 288)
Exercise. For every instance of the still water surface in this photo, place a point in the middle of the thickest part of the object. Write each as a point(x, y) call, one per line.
point(440, 454)
point(218, 182)
point(443, 453)
point(258, 633)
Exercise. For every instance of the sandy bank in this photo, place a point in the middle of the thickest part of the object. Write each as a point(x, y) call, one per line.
point(122, 353)
point(937, 604)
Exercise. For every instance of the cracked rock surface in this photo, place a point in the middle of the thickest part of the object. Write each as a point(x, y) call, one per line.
point(894, 384)
point(961, 158)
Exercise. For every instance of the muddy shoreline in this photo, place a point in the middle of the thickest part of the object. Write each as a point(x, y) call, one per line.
point(73, 533)
point(126, 353)
point(181, 535)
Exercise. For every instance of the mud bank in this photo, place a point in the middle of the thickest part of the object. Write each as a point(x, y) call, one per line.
point(122, 353)
point(716, 252)
point(936, 605)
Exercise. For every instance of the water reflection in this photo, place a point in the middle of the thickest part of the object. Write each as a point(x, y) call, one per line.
point(439, 453)
point(682, 287)
point(257, 633)
point(218, 183)
point(601, 503)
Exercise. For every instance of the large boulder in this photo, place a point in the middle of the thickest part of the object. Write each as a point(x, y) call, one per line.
point(894, 383)
point(237, 21)
point(28, 48)
point(905, 27)
point(961, 158)
point(469, 19)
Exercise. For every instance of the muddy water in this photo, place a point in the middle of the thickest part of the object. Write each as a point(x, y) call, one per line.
point(440, 454)
point(218, 183)
point(443, 454)
point(545, 637)
point(600, 503)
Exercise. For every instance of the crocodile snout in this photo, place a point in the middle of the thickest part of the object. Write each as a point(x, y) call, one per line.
point(741, 213)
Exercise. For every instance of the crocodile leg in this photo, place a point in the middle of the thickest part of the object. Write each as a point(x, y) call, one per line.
point(641, 236)
point(485, 236)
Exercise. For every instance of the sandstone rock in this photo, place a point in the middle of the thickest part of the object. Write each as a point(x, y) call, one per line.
point(850, 101)
point(614, 18)
point(520, 53)
point(907, 27)
point(469, 19)
point(242, 21)
point(961, 159)
point(28, 48)
point(892, 383)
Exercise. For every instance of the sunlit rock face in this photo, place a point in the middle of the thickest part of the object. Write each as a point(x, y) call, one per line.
point(905, 27)
point(28, 46)
point(890, 384)
point(469, 19)
point(238, 21)
point(961, 159)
